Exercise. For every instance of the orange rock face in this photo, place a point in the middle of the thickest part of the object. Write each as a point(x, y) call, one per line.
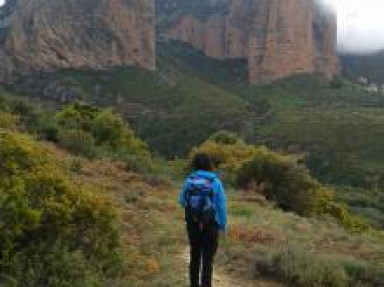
point(280, 38)
point(46, 35)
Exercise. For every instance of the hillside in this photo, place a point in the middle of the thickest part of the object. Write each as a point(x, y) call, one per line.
point(264, 245)
point(336, 128)
point(172, 110)
point(368, 66)
point(95, 143)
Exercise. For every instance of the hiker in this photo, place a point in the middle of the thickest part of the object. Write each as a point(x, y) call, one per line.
point(204, 201)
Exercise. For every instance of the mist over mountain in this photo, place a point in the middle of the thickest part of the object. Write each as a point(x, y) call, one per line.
point(360, 25)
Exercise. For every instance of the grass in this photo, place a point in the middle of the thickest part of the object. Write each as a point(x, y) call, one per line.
point(264, 242)
point(151, 224)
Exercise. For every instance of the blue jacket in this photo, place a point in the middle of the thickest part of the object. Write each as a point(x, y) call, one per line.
point(219, 198)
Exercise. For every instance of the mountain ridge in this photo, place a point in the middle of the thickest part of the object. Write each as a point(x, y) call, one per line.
point(278, 38)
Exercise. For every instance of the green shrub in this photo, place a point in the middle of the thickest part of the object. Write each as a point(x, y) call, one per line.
point(49, 131)
point(31, 116)
point(282, 180)
point(226, 138)
point(8, 121)
point(178, 168)
point(341, 213)
point(336, 83)
point(279, 178)
point(308, 270)
point(76, 166)
point(82, 128)
point(362, 272)
point(52, 266)
point(292, 187)
point(227, 151)
point(77, 141)
point(108, 128)
point(47, 220)
point(241, 211)
point(138, 163)
point(302, 268)
point(77, 116)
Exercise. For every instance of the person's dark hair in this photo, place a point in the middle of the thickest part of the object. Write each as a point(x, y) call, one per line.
point(202, 161)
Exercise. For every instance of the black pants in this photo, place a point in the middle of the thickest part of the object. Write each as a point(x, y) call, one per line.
point(204, 243)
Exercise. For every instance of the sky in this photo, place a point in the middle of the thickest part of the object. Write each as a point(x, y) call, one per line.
point(360, 25)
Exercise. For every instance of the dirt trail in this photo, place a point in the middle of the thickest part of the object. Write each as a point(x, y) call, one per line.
point(220, 279)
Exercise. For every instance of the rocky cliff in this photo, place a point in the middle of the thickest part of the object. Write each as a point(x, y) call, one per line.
point(280, 38)
point(46, 35)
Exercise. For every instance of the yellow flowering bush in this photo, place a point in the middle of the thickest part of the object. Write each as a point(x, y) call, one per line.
point(43, 216)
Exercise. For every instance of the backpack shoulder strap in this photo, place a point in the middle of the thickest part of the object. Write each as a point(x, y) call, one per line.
point(212, 180)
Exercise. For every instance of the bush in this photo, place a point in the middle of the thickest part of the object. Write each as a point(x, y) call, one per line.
point(76, 166)
point(298, 267)
point(108, 128)
point(138, 163)
point(54, 225)
point(77, 116)
point(308, 270)
point(226, 138)
point(227, 151)
point(77, 141)
point(279, 178)
point(342, 214)
point(282, 180)
point(82, 127)
point(364, 273)
point(31, 117)
point(52, 266)
point(8, 121)
point(336, 83)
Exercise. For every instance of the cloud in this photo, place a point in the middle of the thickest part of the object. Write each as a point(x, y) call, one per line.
point(360, 25)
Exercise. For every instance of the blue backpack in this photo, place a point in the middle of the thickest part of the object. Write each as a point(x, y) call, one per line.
point(199, 200)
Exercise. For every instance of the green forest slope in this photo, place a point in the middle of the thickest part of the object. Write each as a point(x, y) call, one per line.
point(337, 128)
point(368, 66)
